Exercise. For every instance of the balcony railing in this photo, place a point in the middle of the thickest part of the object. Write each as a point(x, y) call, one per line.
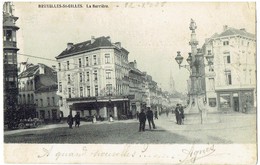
point(10, 44)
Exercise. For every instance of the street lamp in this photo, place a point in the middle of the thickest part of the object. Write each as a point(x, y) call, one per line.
point(195, 65)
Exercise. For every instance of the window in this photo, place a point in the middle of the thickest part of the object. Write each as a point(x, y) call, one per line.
point(68, 65)
point(107, 58)
point(24, 99)
point(226, 43)
point(224, 101)
point(88, 91)
point(41, 102)
point(108, 75)
point(81, 92)
point(10, 58)
point(87, 76)
point(48, 101)
point(109, 89)
point(60, 86)
point(69, 92)
point(80, 62)
point(59, 67)
point(95, 75)
point(211, 84)
point(228, 78)
point(53, 101)
point(80, 77)
point(96, 90)
point(87, 62)
point(94, 60)
point(212, 102)
point(29, 98)
point(228, 59)
point(68, 78)
point(61, 102)
point(8, 35)
point(36, 102)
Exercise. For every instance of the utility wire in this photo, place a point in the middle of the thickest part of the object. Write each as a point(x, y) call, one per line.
point(36, 57)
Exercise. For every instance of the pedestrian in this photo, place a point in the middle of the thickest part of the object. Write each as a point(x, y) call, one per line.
point(167, 112)
point(150, 117)
point(142, 120)
point(137, 115)
point(178, 114)
point(155, 115)
point(70, 121)
point(181, 114)
point(77, 119)
point(94, 119)
point(111, 118)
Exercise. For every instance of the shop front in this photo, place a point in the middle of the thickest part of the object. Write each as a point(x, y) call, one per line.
point(236, 100)
point(104, 107)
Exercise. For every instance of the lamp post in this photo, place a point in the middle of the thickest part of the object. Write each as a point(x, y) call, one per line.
point(195, 66)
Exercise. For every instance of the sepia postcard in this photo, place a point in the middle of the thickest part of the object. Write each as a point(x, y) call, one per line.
point(129, 83)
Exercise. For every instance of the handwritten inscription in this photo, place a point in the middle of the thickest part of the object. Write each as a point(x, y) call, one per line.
point(194, 154)
point(190, 155)
point(144, 4)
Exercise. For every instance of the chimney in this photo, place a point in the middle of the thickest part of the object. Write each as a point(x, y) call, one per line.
point(243, 29)
point(108, 38)
point(92, 39)
point(118, 44)
point(41, 69)
point(53, 67)
point(135, 65)
point(69, 45)
point(225, 27)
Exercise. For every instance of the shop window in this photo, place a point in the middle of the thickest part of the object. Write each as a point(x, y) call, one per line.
point(224, 101)
point(212, 102)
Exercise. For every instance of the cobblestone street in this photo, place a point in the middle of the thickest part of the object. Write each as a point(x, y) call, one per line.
point(126, 131)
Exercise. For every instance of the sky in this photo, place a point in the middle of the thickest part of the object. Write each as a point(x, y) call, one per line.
point(151, 32)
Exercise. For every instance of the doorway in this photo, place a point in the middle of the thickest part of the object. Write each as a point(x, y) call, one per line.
point(236, 104)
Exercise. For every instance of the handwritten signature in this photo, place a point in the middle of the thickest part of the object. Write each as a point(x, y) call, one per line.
point(193, 154)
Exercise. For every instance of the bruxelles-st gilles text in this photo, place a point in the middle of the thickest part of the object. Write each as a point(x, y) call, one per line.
point(72, 6)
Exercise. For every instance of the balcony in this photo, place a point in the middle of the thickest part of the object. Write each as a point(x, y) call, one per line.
point(10, 44)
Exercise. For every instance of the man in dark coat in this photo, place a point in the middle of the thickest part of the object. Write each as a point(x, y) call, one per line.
point(77, 119)
point(181, 114)
point(142, 120)
point(178, 114)
point(70, 121)
point(150, 118)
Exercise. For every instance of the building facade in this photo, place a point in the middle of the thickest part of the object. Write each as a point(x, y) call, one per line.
point(37, 93)
point(10, 72)
point(93, 78)
point(136, 88)
point(231, 82)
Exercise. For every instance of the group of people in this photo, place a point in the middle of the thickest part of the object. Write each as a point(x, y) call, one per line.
point(70, 120)
point(179, 114)
point(142, 116)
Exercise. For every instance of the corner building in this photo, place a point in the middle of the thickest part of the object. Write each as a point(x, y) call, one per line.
point(10, 72)
point(93, 79)
point(231, 82)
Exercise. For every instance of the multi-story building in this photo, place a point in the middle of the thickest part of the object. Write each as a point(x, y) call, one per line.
point(231, 82)
point(10, 72)
point(136, 88)
point(37, 93)
point(93, 78)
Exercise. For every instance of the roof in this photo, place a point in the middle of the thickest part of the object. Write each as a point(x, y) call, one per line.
point(43, 82)
point(233, 31)
point(88, 46)
point(29, 72)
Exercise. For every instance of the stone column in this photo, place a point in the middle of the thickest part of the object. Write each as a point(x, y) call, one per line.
point(115, 112)
point(105, 111)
